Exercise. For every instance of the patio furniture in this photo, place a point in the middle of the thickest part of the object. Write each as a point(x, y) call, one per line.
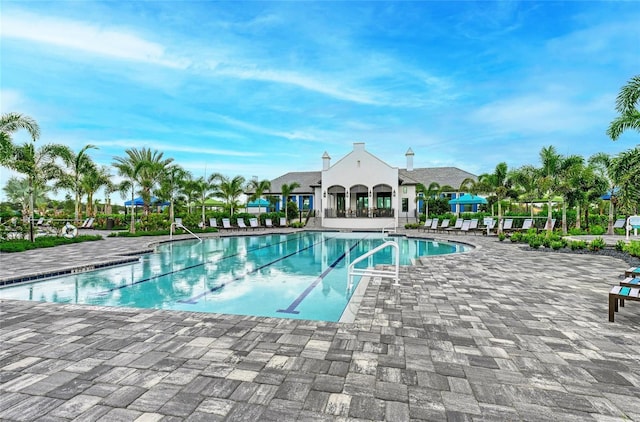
point(444, 225)
point(226, 224)
point(619, 224)
point(283, 222)
point(456, 226)
point(268, 223)
point(434, 225)
point(632, 272)
point(527, 224)
point(507, 224)
point(426, 225)
point(618, 295)
point(253, 223)
point(213, 222)
point(241, 224)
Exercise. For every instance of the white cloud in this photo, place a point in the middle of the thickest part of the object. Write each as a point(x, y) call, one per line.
point(10, 100)
point(165, 147)
point(111, 42)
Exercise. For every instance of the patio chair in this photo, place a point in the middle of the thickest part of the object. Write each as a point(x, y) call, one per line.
point(473, 226)
point(268, 223)
point(466, 225)
point(426, 225)
point(253, 223)
point(213, 222)
point(241, 224)
point(527, 224)
point(488, 225)
point(618, 295)
point(84, 224)
point(434, 225)
point(39, 222)
point(547, 223)
point(89, 224)
point(619, 224)
point(226, 224)
point(444, 225)
point(283, 222)
point(456, 226)
point(632, 272)
point(507, 224)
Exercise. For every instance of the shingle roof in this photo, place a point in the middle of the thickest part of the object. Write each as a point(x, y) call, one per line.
point(451, 176)
point(307, 180)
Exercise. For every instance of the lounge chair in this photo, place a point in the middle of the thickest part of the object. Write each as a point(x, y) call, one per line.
point(178, 222)
point(426, 225)
point(632, 272)
point(466, 225)
point(546, 224)
point(473, 226)
point(434, 225)
point(618, 295)
point(84, 224)
point(488, 225)
point(268, 223)
point(253, 223)
point(40, 221)
point(456, 226)
point(241, 224)
point(89, 224)
point(507, 224)
point(213, 222)
point(444, 225)
point(283, 222)
point(226, 224)
point(619, 224)
point(527, 224)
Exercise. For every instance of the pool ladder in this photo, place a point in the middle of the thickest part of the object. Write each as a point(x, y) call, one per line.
point(394, 274)
point(180, 225)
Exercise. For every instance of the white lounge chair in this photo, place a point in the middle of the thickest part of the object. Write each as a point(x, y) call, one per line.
point(427, 224)
point(213, 222)
point(253, 223)
point(283, 222)
point(226, 224)
point(619, 224)
point(241, 224)
point(268, 223)
point(527, 224)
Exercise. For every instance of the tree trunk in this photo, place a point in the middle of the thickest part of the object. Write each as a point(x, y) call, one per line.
point(549, 213)
point(171, 225)
point(132, 227)
point(564, 216)
point(578, 216)
point(31, 195)
point(499, 218)
point(611, 216)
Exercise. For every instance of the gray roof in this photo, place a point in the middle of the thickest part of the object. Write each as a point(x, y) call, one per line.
point(307, 180)
point(451, 176)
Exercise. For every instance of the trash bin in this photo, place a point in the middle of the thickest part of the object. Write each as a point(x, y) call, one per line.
point(110, 223)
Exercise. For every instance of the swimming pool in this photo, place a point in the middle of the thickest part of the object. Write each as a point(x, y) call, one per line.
point(298, 275)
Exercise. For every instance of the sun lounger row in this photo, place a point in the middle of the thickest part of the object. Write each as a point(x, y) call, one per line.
point(240, 224)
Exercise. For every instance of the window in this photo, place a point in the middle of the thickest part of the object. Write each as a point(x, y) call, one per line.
point(405, 204)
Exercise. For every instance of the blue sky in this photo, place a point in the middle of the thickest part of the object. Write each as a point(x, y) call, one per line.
point(264, 88)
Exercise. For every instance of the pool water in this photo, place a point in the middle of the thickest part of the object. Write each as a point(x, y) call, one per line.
point(298, 275)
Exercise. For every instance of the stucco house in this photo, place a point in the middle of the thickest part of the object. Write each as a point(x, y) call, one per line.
point(362, 191)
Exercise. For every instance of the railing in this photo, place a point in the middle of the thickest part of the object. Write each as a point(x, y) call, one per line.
point(180, 225)
point(359, 213)
point(395, 274)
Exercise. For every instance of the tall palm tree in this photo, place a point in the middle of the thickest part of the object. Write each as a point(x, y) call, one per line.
point(92, 180)
point(17, 191)
point(77, 165)
point(128, 169)
point(286, 190)
point(258, 187)
point(229, 190)
point(625, 171)
point(525, 178)
point(39, 166)
point(548, 181)
point(602, 163)
point(10, 123)
point(171, 187)
point(499, 184)
point(571, 169)
point(626, 105)
point(428, 193)
point(150, 165)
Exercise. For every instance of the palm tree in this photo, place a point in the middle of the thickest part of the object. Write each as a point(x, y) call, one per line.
point(129, 169)
point(286, 190)
point(570, 173)
point(498, 183)
point(602, 163)
point(229, 190)
point(626, 105)
point(78, 164)
point(526, 179)
point(427, 193)
point(258, 187)
point(171, 187)
point(150, 167)
point(17, 191)
point(10, 123)
point(625, 171)
point(92, 180)
point(39, 166)
point(548, 181)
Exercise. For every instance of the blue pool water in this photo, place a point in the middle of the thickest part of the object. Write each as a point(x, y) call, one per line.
point(298, 275)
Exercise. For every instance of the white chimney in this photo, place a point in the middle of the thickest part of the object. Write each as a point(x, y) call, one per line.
point(326, 161)
point(409, 156)
point(358, 146)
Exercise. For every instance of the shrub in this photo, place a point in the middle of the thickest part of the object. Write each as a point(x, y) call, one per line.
point(535, 242)
point(557, 244)
point(516, 237)
point(577, 232)
point(620, 245)
point(297, 224)
point(21, 245)
point(633, 248)
point(597, 230)
point(577, 245)
point(597, 244)
point(502, 236)
point(411, 226)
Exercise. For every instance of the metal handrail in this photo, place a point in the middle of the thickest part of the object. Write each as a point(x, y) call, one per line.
point(180, 225)
point(395, 274)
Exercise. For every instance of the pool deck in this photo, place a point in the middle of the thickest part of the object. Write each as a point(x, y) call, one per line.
point(500, 333)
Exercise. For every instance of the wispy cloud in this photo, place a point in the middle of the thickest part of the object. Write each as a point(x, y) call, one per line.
point(166, 147)
point(116, 43)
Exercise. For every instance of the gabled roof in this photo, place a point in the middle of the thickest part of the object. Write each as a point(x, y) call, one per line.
point(451, 176)
point(307, 180)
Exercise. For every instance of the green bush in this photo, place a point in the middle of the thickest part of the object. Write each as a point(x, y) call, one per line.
point(516, 237)
point(502, 236)
point(297, 224)
point(597, 244)
point(620, 245)
point(633, 248)
point(535, 242)
point(597, 230)
point(577, 232)
point(20, 245)
point(557, 244)
point(578, 245)
point(411, 226)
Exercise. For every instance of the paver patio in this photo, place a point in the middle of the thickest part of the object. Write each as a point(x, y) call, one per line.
point(496, 334)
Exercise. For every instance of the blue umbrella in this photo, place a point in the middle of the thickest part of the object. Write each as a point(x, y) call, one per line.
point(468, 199)
point(138, 202)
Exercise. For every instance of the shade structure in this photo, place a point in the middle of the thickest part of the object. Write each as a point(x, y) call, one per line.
point(211, 203)
point(258, 203)
point(468, 199)
point(138, 202)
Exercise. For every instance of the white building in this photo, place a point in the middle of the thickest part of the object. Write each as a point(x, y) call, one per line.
point(360, 191)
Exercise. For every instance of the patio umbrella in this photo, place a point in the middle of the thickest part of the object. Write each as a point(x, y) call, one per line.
point(468, 199)
point(138, 202)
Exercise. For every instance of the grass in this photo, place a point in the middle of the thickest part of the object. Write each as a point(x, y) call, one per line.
point(20, 245)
